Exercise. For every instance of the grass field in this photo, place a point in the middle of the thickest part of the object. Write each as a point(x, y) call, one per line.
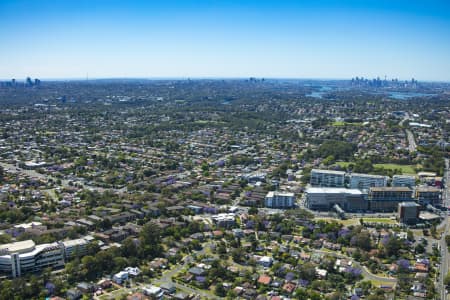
point(379, 220)
point(342, 123)
point(343, 164)
point(343, 222)
point(406, 169)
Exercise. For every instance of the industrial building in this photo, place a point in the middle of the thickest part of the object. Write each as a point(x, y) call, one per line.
point(325, 198)
point(366, 181)
point(275, 199)
point(327, 178)
point(408, 212)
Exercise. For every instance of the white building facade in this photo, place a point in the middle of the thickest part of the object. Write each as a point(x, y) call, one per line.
point(26, 257)
point(366, 181)
point(327, 178)
point(19, 258)
point(404, 180)
point(279, 200)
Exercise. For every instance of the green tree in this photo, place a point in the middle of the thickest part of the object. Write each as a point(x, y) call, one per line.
point(220, 290)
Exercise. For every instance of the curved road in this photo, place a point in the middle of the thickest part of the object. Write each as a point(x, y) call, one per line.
point(365, 271)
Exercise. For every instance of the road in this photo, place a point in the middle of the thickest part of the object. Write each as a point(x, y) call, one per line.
point(366, 273)
point(445, 257)
point(412, 146)
point(167, 276)
point(411, 141)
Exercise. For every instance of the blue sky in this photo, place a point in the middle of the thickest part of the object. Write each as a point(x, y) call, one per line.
point(168, 38)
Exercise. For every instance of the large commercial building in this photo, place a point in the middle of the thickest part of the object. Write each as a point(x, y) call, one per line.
point(366, 181)
point(404, 180)
point(279, 200)
point(326, 198)
point(19, 258)
point(408, 212)
point(327, 178)
point(26, 257)
point(428, 195)
point(386, 199)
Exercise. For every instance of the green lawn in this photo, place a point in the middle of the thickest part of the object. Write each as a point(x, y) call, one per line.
point(379, 220)
point(342, 123)
point(406, 169)
point(346, 222)
point(343, 164)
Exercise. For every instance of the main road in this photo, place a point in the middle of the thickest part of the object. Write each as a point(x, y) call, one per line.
point(412, 146)
point(445, 257)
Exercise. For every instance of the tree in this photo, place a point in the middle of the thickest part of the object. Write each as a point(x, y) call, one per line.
point(308, 271)
point(362, 240)
point(447, 279)
point(150, 237)
point(253, 211)
point(220, 290)
point(447, 240)
point(393, 245)
point(129, 248)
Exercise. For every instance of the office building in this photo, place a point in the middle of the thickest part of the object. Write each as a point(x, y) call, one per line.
point(279, 200)
point(404, 180)
point(327, 178)
point(326, 198)
point(19, 258)
point(366, 181)
point(408, 212)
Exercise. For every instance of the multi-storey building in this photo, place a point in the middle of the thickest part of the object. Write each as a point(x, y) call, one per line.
point(326, 198)
point(19, 258)
point(408, 212)
point(327, 178)
point(26, 257)
point(279, 199)
point(386, 199)
point(78, 247)
point(366, 181)
point(404, 180)
point(428, 195)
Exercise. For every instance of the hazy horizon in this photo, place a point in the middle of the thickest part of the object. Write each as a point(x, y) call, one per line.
point(235, 39)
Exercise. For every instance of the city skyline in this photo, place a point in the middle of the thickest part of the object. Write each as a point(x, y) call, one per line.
point(213, 39)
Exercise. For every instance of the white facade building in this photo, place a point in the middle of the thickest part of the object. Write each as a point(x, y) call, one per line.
point(327, 178)
point(404, 180)
point(326, 198)
point(23, 257)
point(366, 181)
point(77, 247)
point(19, 258)
point(279, 200)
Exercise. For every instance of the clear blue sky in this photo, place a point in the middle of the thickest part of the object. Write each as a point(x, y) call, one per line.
point(167, 38)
